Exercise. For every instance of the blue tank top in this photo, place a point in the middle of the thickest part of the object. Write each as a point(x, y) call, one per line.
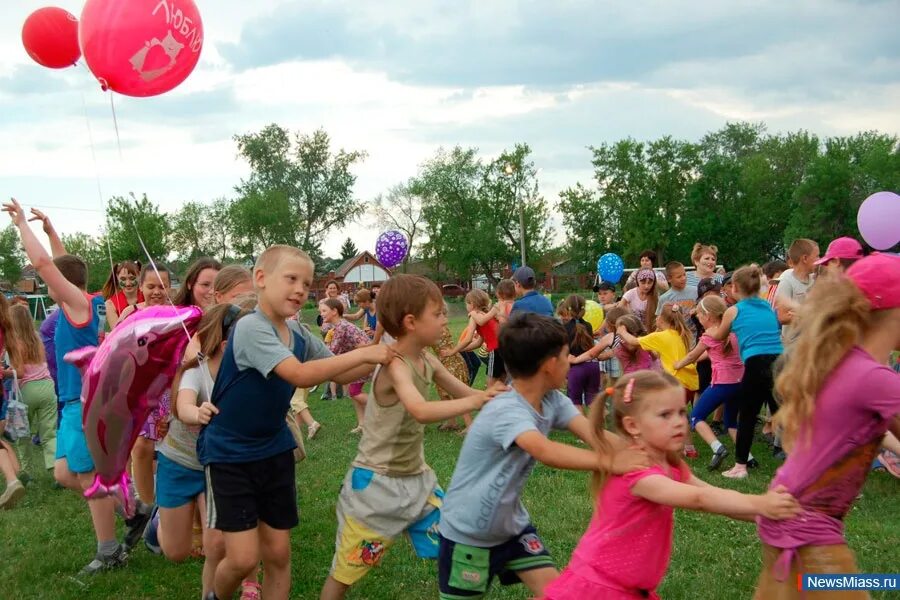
point(251, 422)
point(371, 319)
point(71, 336)
point(756, 328)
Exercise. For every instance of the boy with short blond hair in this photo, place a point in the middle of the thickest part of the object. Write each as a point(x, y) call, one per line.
point(679, 292)
point(795, 283)
point(247, 447)
point(390, 489)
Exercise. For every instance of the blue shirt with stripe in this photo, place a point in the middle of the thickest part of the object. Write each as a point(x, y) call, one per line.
point(71, 336)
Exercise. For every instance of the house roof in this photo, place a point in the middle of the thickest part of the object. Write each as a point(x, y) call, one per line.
point(352, 262)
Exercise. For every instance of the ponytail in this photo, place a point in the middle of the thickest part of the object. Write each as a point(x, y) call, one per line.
point(831, 321)
point(671, 314)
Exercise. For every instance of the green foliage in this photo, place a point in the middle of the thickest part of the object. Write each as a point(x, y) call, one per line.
point(94, 252)
point(349, 249)
point(740, 188)
point(297, 191)
point(201, 230)
point(471, 210)
point(12, 257)
point(128, 218)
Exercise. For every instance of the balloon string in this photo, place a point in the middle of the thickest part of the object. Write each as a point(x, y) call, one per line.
point(112, 105)
point(103, 206)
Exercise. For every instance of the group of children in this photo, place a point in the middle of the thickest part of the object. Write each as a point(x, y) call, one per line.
point(228, 448)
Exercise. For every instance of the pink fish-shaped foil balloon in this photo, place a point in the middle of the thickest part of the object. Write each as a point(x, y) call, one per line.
point(122, 382)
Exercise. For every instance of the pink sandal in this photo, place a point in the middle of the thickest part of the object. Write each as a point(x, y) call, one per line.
point(250, 590)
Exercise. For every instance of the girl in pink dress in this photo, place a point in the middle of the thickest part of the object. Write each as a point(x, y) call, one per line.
point(625, 552)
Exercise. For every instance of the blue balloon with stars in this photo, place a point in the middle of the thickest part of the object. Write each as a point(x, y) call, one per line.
point(610, 267)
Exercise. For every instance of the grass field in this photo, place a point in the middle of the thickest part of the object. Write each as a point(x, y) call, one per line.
point(48, 537)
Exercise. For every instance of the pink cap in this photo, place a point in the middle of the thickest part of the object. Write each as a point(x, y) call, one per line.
point(843, 247)
point(878, 277)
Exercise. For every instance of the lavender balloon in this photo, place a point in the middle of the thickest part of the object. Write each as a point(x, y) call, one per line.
point(878, 220)
point(391, 248)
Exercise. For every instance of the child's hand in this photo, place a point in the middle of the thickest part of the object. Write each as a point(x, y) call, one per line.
point(678, 365)
point(498, 388)
point(621, 329)
point(626, 461)
point(205, 412)
point(44, 219)
point(379, 354)
point(16, 213)
point(447, 352)
point(778, 504)
point(163, 429)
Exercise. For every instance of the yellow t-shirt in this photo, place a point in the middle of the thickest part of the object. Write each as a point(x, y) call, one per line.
point(668, 345)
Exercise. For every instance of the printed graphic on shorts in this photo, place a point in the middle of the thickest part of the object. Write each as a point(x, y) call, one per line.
point(532, 543)
point(369, 553)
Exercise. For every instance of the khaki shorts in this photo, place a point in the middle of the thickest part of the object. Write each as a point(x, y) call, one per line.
point(298, 400)
point(373, 510)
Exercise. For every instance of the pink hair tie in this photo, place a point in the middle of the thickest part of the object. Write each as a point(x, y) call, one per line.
point(629, 387)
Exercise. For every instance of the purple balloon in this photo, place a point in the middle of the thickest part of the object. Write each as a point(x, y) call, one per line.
point(391, 248)
point(878, 220)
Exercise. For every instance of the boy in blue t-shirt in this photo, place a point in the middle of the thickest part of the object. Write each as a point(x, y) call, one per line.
point(247, 448)
point(485, 530)
point(78, 326)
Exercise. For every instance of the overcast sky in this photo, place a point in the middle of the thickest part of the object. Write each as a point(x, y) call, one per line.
point(399, 79)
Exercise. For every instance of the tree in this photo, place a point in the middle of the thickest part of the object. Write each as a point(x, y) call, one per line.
point(471, 214)
point(94, 252)
point(401, 210)
point(130, 220)
point(348, 250)
point(12, 258)
point(297, 191)
point(201, 230)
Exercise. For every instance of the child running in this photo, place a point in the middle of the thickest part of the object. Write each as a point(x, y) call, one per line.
point(839, 398)
point(390, 489)
point(756, 327)
point(625, 552)
point(27, 358)
point(670, 343)
point(486, 531)
point(727, 372)
point(180, 483)
point(247, 447)
point(79, 326)
point(478, 305)
point(583, 380)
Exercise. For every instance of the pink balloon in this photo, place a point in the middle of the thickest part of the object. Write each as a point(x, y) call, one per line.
point(878, 220)
point(122, 382)
point(141, 47)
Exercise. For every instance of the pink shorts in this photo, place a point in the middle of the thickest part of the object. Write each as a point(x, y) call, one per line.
point(356, 388)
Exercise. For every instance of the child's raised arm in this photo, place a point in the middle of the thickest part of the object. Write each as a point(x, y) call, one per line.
point(481, 318)
point(432, 412)
point(775, 504)
point(67, 294)
point(595, 351)
point(56, 245)
point(355, 316)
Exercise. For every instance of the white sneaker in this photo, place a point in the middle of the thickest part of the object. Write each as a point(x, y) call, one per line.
point(312, 430)
point(13, 493)
point(356, 430)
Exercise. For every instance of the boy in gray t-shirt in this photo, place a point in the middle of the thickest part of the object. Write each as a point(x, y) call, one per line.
point(485, 529)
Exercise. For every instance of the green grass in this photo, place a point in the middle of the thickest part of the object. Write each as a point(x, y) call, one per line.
point(48, 537)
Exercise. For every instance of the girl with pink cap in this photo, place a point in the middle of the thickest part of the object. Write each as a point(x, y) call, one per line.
point(839, 398)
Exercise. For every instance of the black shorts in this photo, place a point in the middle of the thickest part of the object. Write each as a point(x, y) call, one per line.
point(465, 570)
point(495, 366)
point(240, 495)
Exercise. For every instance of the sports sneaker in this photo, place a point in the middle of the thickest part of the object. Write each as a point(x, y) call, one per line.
point(105, 563)
point(690, 451)
point(134, 527)
point(13, 493)
point(312, 430)
point(151, 532)
point(718, 456)
point(752, 464)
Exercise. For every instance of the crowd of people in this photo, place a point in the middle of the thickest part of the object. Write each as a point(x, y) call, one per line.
point(214, 466)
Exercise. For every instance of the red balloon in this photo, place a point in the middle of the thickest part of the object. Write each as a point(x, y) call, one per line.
point(141, 47)
point(50, 36)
